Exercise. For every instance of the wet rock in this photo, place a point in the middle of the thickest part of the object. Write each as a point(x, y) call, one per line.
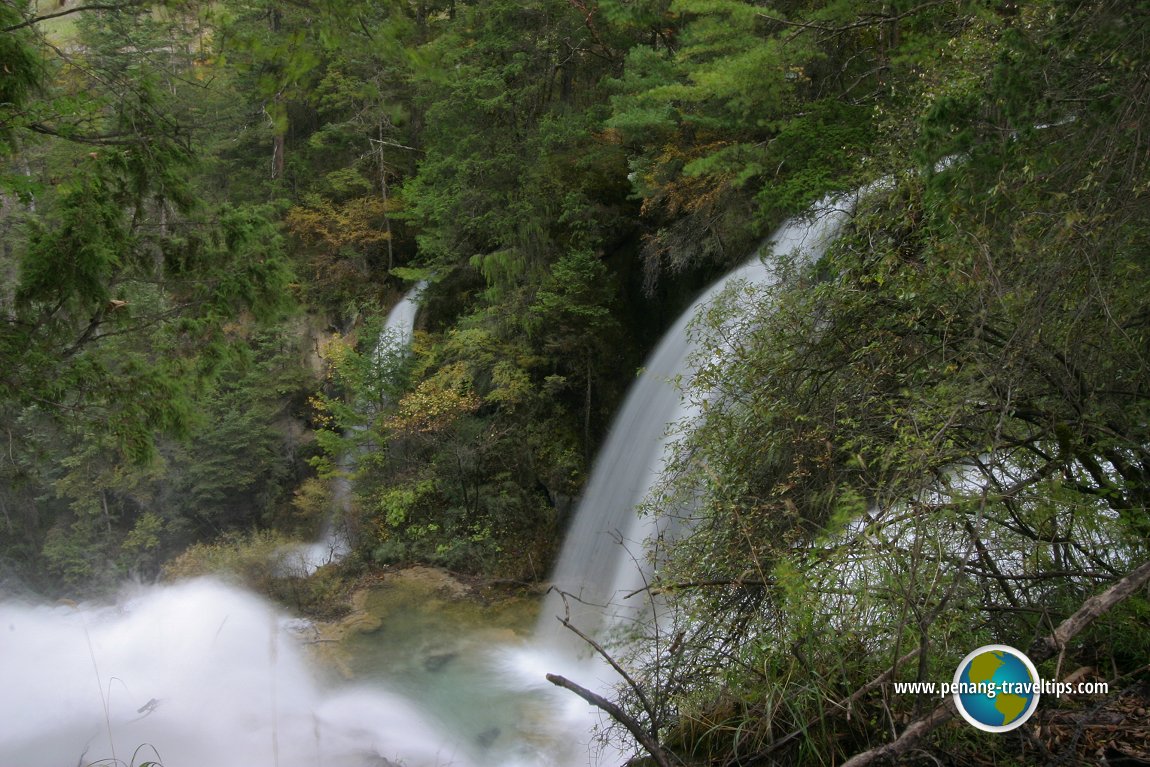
point(378, 761)
point(436, 663)
point(487, 737)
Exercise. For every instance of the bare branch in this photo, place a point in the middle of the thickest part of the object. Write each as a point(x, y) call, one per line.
point(1042, 649)
point(614, 664)
point(616, 713)
point(93, 7)
point(854, 25)
point(941, 714)
point(1095, 606)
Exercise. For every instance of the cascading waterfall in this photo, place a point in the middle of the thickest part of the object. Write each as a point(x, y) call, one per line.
point(603, 556)
point(203, 673)
point(333, 544)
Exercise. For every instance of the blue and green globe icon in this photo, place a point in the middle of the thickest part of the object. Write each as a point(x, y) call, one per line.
point(996, 688)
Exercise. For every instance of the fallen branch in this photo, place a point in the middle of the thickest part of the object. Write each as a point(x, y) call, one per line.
point(646, 704)
point(1095, 606)
point(1039, 651)
point(941, 714)
point(616, 713)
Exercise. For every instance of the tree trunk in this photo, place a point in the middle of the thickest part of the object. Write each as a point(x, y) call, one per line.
point(107, 514)
point(278, 155)
point(383, 191)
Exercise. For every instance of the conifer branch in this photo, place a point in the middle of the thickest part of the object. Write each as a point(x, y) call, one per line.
point(92, 7)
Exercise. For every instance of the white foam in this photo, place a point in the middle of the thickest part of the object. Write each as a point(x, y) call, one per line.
point(194, 674)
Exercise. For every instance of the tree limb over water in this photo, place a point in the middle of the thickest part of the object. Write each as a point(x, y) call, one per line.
point(619, 715)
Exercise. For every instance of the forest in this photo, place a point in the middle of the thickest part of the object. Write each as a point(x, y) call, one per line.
point(934, 437)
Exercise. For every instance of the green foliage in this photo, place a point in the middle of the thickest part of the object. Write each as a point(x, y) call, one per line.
point(23, 73)
point(436, 485)
point(935, 438)
point(250, 558)
point(750, 114)
point(958, 387)
point(504, 180)
point(516, 187)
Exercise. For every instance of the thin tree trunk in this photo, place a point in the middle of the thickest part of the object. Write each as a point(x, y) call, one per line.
point(158, 255)
point(26, 169)
point(278, 155)
point(107, 514)
point(383, 191)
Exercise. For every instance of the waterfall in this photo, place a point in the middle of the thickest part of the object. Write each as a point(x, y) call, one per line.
point(603, 558)
point(604, 555)
point(400, 323)
point(333, 544)
point(204, 674)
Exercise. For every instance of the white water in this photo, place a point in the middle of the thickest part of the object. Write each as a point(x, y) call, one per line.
point(603, 563)
point(603, 558)
point(333, 544)
point(204, 674)
point(400, 324)
point(198, 674)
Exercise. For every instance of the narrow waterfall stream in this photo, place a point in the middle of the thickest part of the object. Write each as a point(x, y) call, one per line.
point(333, 545)
point(201, 673)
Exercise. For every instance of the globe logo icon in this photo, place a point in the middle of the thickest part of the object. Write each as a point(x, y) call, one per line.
point(996, 688)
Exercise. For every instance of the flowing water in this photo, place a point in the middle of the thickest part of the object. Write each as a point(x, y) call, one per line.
point(333, 545)
point(202, 673)
point(603, 558)
point(193, 674)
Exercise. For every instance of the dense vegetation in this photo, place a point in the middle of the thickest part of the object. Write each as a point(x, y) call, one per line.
point(934, 438)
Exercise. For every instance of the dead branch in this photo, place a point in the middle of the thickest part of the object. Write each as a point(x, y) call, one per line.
point(1039, 651)
point(869, 22)
point(646, 704)
point(567, 624)
point(1094, 607)
point(616, 713)
point(941, 714)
